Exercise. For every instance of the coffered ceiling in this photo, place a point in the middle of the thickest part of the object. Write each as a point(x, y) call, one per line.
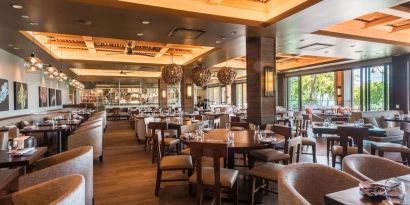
point(88, 48)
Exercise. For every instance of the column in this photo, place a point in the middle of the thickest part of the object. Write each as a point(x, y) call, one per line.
point(187, 90)
point(400, 82)
point(162, 93)
point(260, 54)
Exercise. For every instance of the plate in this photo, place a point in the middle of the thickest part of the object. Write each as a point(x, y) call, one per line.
point(372, 189)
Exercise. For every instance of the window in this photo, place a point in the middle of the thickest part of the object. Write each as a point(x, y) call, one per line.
point(293, 93)
point(356, 89)
point(214, 95)
point(241, 100)
point(318, 90)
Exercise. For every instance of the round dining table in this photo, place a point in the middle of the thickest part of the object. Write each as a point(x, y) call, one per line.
point(243, 141)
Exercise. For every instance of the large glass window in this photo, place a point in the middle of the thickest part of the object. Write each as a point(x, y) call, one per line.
point(241, 100)
point(214, 95)
point(293, 93)
point(356, 89)
point(318, 90)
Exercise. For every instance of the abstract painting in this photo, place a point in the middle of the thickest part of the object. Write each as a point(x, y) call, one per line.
point(58, 97)
point(4, 95)
point(52, 96)
point(20, 96)
point(42, 96)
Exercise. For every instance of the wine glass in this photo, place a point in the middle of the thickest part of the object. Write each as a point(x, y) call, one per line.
point(228, 126)
point(395, 191)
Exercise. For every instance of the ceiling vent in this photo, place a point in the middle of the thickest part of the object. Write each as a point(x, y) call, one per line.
point(187, 33)
point(315, 46)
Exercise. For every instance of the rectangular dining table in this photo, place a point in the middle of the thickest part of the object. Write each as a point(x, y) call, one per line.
point(9, 161)
point(61, 133)
point(353, 196)
point(319, 129)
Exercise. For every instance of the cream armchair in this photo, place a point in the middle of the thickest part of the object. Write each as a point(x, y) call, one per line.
point(92, 136)
point(373, 168)
point(65, 190)
point(76, 161)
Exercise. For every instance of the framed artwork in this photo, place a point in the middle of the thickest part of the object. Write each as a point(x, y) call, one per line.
point(52, 97)
point(20, 96)
point(42, 96)
point(58, 97)
point(4, 95)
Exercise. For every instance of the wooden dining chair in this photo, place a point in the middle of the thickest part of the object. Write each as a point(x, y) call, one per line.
point(403, 148)
point(306, 140)
point(235, 119)
point(358, 134)
point(167, 163)
point(243, 125)
point(269, 171)
point(185, 129)
point(215, 178)
point(164, 142)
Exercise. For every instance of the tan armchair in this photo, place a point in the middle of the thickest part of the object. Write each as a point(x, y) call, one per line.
point(308, 183)
point(76, 161)
point(92, 136)
point(373, 168)
point(65, 190)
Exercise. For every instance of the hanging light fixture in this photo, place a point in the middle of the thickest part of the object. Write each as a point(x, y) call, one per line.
point(201, 75)
point(172, 73)
point(226, 75)
point(32, 63)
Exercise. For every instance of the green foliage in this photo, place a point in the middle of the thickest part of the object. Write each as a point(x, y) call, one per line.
point(318, 89)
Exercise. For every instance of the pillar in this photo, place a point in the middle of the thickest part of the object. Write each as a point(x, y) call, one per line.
point(400, 82)
point(187, 90)
point(260, 53)
point(162, 85)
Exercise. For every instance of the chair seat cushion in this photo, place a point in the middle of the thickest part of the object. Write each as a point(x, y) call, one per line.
point(186, 151)
point(390, 147)
point(308, 141)
point(228, 177)
point(170, 141)
point(338, 150)
point(176, 162)
point(394, 131)
point(268, 171)
point(269, 155)
point(333, 137)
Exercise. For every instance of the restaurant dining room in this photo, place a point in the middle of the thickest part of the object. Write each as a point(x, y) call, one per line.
point(180, 102)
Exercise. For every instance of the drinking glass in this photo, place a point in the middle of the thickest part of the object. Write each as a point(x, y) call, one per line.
point(395, 191)
point(361, 122)
point(257, 128)
point(228, 126)
point(356, 123)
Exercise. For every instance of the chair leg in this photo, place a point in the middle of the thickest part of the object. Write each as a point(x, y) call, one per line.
point(372, 150)
point(314, 153)
point(218, 196)
point(158, 183)
point(404, 158)
point(244, 159)
point(381, 153)
point(252, 181)
point(235, 193)
point(101, 158)
point(327, 148)
point(199, 193)
point(333, 160)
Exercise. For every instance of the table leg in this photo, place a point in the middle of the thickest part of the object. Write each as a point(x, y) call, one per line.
point(231, 159)
point(46, 143)
point(59, 141)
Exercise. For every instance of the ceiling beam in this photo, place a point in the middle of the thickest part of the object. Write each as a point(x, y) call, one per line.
point(215, 1)
point(162, 51)
point(68, 44)
point(382, 21)
point(88, 40)
point(401, 28)
point(396, 12)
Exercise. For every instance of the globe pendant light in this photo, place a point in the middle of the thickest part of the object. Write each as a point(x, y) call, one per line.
point(172, 73)
point(226, 75)
point(201, 75)
point(32, 63)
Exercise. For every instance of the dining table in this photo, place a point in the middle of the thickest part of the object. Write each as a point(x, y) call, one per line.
point(353, 196)
point(8, 160)
point(321, 128)
point(9, 177)
point(61, 131)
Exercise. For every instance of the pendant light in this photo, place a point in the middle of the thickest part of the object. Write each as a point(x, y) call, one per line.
point(32, 63)
point(172, 73)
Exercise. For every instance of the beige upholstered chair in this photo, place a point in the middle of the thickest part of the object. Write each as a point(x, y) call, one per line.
point(65, 190)
point(308, 183)
point(373, 168)
point(4, 138)
point(357, 134)
point(92, 136)
point(188, 129)
point(76, 161)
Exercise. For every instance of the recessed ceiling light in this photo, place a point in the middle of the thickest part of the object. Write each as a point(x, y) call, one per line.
point(16, 48)
point(358, 51)
point(25, 16)
point(218, 42)
point(223, 37)
point(352, 46)
point(84, 22)
point(10, 45)
point(33, 23)
point(16, 6)
point(140, 34)
point(145, 22)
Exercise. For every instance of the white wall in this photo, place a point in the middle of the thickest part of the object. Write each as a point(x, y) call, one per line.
point(12, 69)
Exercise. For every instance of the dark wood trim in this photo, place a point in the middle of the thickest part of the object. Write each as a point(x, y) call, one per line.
point(36, 113)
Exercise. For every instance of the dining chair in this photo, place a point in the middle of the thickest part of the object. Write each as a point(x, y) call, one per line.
point(214, 178)
point(157, 129)
point(373, 168)
point(403, 148)
point(235, 119)
point(92, 136)
point(243, 125)
point(269, 170)
point(64, 190)
point(185, 129)
point(358, 134)
point(76, 161)
point(306, 140)
point(290, 152)
point(167, 163)
point(308, 183)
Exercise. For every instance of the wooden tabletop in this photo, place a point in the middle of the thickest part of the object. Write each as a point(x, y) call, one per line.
point(353, 197)
point(4, 129)
point(45, 129)
point(319, 128)
point(7, 161)
point(7, 176)
point(403, 119)
point(243, 140)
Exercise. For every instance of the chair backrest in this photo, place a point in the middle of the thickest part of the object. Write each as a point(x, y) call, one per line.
point(298, 122)
point(198, 117)
point(216, 123)
point(406, 128)
point(223, 120)
point(207, 149)
point(92, 136)
point(244, 125)
point(292, 144)
point(358, 134)
point(305, 121)
point(4, 138)
point(235, 119)
point(158, 138)
point(308, 183)
point(189, 128)
point(373, 168)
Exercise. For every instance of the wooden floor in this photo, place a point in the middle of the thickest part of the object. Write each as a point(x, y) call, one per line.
point(127, 175)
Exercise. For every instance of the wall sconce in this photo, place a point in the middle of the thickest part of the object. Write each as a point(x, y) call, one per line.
point(339, 91)
point(188, 91)
point(164, 94)
point(269, 80)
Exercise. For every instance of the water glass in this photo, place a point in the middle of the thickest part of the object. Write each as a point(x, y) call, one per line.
point(361, 122)
point(395, 191)
point(228, 126)
point(257, 128)
point(356, 123)
point(230, 136)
